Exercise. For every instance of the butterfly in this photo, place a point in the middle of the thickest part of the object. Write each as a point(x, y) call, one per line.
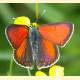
point(37, 45)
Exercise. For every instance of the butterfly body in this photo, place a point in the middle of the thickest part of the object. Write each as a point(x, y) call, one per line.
point(34, 39)
point(38, 45)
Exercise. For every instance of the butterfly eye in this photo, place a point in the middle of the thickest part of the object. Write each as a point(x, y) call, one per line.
point(22, 21)
point(35, 24)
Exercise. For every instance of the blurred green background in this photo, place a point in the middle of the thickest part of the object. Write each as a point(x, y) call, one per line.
point(70, 54)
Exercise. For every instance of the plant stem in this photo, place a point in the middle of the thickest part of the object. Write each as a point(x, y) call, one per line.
point(10, 67)
point(37, 9)
point(29, 73)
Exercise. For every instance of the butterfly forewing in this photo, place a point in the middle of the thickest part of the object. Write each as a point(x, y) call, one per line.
point(57, 33)
point(16, 34)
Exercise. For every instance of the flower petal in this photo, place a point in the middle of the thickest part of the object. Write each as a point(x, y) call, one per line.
point(56, 71)
point(40, 73)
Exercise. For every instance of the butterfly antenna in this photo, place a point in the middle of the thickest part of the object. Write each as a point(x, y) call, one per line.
point(41, 15)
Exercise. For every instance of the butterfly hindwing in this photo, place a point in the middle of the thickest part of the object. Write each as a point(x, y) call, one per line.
point(18, 36)
point(58, 33)
point(23, 54)
point(47, 53)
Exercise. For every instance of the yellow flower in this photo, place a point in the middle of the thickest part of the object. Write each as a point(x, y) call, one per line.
point(53, 71)
point(40, 73)
point(22, 20)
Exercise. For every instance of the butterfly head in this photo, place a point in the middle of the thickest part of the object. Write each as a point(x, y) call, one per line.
point(22, 20)
point(34, 24)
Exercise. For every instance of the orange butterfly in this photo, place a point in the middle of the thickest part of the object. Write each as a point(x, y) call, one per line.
point(37, 45)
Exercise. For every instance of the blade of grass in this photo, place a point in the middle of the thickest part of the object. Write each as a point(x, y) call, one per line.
point(6, 13)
